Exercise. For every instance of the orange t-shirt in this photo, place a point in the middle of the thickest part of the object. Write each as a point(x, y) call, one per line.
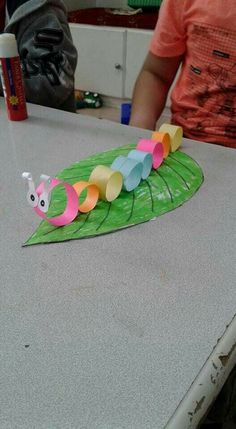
point(204, 97)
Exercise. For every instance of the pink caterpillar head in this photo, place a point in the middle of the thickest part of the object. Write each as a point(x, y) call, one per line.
point(38, 199)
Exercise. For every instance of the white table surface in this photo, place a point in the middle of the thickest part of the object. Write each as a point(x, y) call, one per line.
point(111, 332)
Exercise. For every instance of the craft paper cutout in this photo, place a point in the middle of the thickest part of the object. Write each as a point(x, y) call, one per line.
point(175, 181)
point(176, 135)
point(131, 171)
point(145, 158)
point(109, 182)
point(71, 208)
point(107, 185)
point(154, 148)
point(163, 138)
point(44, 197)
point(91, 198)
point(32, 196)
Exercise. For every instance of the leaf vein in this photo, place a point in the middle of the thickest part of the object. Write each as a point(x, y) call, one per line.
point(167, 186)
point(132, 207)
point(104, 219)
point(151, 195)
point(178, 174)
point(181, 163)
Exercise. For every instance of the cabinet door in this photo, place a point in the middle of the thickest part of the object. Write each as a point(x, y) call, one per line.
point(79, 4)
point(137, 49)
point(101, 58)
point(112, 3)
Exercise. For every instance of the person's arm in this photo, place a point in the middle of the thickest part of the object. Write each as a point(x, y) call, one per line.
point(151, 89)
point(47, 54)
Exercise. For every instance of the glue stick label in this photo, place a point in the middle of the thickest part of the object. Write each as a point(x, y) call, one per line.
point(13, 88)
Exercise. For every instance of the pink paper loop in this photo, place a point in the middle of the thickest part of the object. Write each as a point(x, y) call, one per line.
point(154, 148)
point(71, 209)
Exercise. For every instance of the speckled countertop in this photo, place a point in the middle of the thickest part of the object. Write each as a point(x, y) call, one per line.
point(110, 332)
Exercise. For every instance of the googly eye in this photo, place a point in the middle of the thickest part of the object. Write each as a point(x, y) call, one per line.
point(43, 203)
point(32, 198)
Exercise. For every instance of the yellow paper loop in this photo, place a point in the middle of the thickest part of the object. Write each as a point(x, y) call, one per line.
point(176, 135)
point(108, 181)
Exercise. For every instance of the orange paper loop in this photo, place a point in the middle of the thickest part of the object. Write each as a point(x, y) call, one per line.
point(91, 198)
point(163, 138)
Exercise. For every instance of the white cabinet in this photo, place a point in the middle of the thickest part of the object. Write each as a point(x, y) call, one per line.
point(101, 58)
point(84, 4)
point(137, 45)
point(112, 3)
point(79, 4)
point(109, 58)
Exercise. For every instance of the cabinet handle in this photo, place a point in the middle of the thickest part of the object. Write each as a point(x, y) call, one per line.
point(118, 66)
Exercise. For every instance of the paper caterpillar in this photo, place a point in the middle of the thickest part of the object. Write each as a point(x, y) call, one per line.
point(105, 182)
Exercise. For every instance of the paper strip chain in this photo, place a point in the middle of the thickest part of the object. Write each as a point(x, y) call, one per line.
point(105, 182)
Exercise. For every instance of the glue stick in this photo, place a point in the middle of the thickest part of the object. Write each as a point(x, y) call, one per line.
point(11, 75)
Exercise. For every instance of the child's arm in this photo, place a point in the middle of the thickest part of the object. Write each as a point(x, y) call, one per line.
point(151, 89)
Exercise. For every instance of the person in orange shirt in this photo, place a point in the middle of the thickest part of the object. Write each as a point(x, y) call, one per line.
point(199, 37)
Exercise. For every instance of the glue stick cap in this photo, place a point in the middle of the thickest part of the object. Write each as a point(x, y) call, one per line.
point(8, 45)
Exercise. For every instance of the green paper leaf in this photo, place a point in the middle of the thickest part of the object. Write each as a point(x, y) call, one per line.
point(175, 181)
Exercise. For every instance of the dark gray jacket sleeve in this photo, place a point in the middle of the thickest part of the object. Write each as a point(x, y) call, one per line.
point(48, 56)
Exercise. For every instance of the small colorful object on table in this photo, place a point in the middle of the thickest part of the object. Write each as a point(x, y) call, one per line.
point(108, 181)
point(88, 99)
point(164, 139)
point(146, 160)
point(91, 198)
point(154, 148)
point(131, 171)
point(175, 133)
point(125, 112)
point(127, 186)
point(39, 199)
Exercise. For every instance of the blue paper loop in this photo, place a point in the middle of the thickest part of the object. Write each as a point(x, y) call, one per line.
point(131, 171)
point(145, 158)
point(118, 162)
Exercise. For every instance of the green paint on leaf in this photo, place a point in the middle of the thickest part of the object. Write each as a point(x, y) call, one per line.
point(175, 181)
